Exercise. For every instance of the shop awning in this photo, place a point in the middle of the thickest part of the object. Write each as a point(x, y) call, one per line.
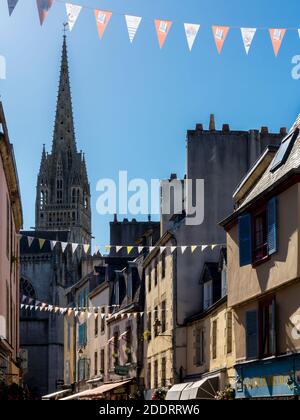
point(175, 392)
point(205, 389)
point(56, 395)
point(96, 392)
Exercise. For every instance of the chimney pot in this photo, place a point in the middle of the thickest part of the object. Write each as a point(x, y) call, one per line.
point(212, 125)
point(199, 127)
point(115, 218)
point(264, 131)
point(226, 128)
point(283, 131)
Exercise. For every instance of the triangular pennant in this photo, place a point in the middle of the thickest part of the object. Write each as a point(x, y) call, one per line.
point(26, 306)
point(299, 32)
point(11, 5)
point(89, 315)
point(162, 29)
point(74, 247)
point(107, 248)
point(191, 32)
point(142, 314)
point(203, 247)
point(76, 313)
point(73, 11)
point(31, 307)
point(129, 249)
point(22, 305)
point(220, 34)
point(102, 316)
point(151, 248)
point(24, 298)
point(162, 249)
point(247, 36)
point(140, 249)
point(193, 248)
point(213, 247)
point(96, 250)
point(41, 243)
point(64, 246)
point(183, 249)
point(52, 244)
point(118, 248)
point(173, 248)
point(43, 8)
point(86, 248)
point(102, 19)
point(277, 36)
point(36, 308)
point(133, 23)
point(30, 239)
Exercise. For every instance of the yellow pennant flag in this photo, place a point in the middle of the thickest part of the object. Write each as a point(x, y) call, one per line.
point(41, 242)
point(193, 248)
point(129, 249)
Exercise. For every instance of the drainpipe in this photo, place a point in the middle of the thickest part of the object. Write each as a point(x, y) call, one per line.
point(175, 310)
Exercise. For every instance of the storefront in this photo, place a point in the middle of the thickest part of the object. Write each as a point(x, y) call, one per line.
point(204, 389)
point(110, 391)
point(273, 378)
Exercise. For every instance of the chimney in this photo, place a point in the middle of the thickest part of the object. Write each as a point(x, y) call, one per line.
point(173, 176)
point(283, 131)
point(212, 126)
point(199, 127)
point(225, 128)
point(115, 218)
point(264, 131)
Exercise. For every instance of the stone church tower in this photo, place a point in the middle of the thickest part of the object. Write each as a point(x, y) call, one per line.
point(63, 213)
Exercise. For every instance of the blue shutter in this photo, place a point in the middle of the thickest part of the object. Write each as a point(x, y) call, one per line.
point(272, 226)
point(245, 243)
point(252, 334)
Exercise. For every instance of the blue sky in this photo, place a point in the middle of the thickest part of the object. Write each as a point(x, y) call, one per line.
point(134, 103)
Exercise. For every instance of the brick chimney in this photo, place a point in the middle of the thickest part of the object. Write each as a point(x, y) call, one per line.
point(283, 131)
point(212, 126)
point(225, 128)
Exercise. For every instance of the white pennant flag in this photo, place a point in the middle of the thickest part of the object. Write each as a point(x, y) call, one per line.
point(26, 306)
point(213, 247)
point(191, 32)
point(140, 249)
point(86, 248)
point(52, 244)
point(162, 249)
point(173, 248)
point(203, 247)
point(73, 12)
point(118, 248)
point(30, 239)
point(133, 23)
point(248, 35)
point(64, 246)
point(96, 250)
point(299, 32)
point(142, 314)
point(89, 315)
point(74, 247)
point(183, 249)
point(151, 248)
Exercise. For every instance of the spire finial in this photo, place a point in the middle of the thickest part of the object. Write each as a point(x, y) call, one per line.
point(65, 25)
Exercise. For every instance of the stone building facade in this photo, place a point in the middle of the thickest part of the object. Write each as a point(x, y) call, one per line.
point(63, 213)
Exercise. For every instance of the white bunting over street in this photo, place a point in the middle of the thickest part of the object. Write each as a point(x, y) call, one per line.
point(133, 23)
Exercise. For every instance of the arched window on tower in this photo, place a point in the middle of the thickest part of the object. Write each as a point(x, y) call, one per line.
point(59, 190)
point(26, 289)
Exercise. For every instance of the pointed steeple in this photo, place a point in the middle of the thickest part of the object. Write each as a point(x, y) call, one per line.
point(64, 135)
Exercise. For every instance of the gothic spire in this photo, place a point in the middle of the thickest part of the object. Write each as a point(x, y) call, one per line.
point(64, 135)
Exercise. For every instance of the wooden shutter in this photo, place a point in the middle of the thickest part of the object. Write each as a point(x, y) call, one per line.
point(272, 226)
point(252, 334)
point(245, 242)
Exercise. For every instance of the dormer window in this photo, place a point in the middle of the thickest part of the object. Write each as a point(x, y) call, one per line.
point(284, 150)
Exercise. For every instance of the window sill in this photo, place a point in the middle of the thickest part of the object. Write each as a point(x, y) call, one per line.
point(261, 261)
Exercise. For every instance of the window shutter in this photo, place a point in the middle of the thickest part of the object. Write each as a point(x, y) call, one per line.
point(245, 243)
point(272, 226)
point(252, 334)
point(273, 346)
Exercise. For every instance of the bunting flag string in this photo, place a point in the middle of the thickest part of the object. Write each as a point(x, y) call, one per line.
point(117, 248)
point(162, 27)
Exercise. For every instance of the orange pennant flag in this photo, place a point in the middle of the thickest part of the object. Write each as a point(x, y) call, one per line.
point(162, 28)
point(277, 36)
point(102, 20)
point(220, 34)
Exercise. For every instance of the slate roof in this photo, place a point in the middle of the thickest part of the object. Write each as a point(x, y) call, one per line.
point(269, 178)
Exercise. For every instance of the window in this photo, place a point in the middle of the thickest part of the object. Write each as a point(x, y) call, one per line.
point(82, 335)
point(229, 332)
point(163, 371)
point(156, 321)
point(163, 265)
point(102, 320)
point(267, 327)
point(163, 316)
point(149, 376)
point(69, 336)
point(251, 335)
point(96, 325)
point(207, 295)
point(199, 345)
point(96, 364)
point(116, 348)
point(102, 360)
point(258, 234)
point(129, 344)
point(155, 274)
point(149, 279)
point(224, 282)
point(214, 339)
point(284, 150)
point(156, 374)
point(150, 324)
point(260, 245)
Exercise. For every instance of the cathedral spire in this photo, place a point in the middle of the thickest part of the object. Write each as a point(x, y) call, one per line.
point(64, 134)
